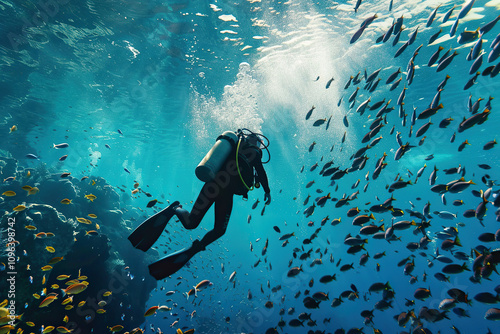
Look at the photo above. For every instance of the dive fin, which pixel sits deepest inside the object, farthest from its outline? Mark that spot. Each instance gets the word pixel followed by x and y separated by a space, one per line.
pixel 170 264
pixel 146 234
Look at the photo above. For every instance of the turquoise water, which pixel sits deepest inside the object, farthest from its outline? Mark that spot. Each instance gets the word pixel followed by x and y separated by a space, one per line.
pixel 172 76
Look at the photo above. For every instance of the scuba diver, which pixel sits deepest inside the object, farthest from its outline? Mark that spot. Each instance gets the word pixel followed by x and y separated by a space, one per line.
pixel 233 166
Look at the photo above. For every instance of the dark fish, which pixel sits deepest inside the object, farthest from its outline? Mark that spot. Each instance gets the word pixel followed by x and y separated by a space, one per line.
pixel 63 158
pixel 445 122
pixel 125 169
pixel 401 50
pixel 445 62
pixel 432 16
pixel 423 129
pixel 429 112
pixel 277 229
pixel 448 14
pixel 466 7
pixel 393 76
pixel 319 122
pixel 462 146
pixel 434 57
pixel 489 145
pixel 422 293
pixel 309 113
pixel 476 65
pixel 454 27
pixel 443 83
pixel 356 6
pixel 120 132
pixel 413 36
pixel 434 37
pixel 487 298
pixel 471 81
pixel 476 50
pixel 329 83
pixel 152 203
pixel 455 268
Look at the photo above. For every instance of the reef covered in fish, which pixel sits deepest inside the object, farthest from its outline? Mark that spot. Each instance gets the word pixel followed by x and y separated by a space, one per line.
pixel 65 250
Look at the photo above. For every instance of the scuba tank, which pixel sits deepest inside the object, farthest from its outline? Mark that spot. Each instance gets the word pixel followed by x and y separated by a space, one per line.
pixel 215 158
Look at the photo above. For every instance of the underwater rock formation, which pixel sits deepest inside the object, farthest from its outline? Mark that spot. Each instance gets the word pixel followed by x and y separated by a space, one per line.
pixel 80 249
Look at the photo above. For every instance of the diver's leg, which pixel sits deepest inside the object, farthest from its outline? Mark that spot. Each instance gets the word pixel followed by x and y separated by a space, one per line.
pixel 206 198
pixel 223 207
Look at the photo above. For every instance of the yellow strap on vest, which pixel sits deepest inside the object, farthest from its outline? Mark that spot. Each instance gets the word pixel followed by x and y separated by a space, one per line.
pixel 238 167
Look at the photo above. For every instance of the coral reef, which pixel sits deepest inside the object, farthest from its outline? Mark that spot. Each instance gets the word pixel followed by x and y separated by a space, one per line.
pixel 94 251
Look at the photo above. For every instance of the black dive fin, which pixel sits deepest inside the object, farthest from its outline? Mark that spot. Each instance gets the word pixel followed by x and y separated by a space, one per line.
pixel 146 234
pixel 170 264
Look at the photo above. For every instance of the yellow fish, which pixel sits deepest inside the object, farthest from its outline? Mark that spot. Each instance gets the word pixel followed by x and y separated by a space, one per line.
pixel 80 304
pixel 66 319
pixel 41 235
pixel 30 227
pixel 92 232
pixel 9 193
pixel 93 182
pixel 116 328
pixel 68 307
pixel 55 259
pixel 82 278
pixel 66 201
pixel 19 208
pixel 33 191
pixel 97 227
pixel 50 249
pixel 107 293
pixel 75 289
pixel 73 281
pixel 152 310
pixel 62 329
pixel 91 215
pixel 28 174
pixel 13 128
pixel 91 197
pixel 36 295
pixel 30 323
pixel 83 220
pixel 55 286
pixel 67 300
pixel 48 329
pixel 46 268
pixel 3 304
pixel 50 234
pixel 47 301
pixel 102 303
pixel 62 277
pixel 101 311
pixel 7 329
pixel 26 188
pixel 43 280
pixel 28 267
pixel 135 191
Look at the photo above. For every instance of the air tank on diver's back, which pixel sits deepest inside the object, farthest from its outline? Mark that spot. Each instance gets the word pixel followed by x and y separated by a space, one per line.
pixel 215 158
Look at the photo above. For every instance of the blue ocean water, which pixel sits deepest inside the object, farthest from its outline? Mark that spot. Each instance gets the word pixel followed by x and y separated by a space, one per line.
pixel 159 81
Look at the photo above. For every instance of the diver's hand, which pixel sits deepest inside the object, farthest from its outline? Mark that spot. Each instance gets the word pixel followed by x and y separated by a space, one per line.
pixel 267 198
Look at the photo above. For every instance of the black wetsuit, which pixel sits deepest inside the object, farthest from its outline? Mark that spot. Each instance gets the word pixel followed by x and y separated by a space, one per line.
pixel 220 191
